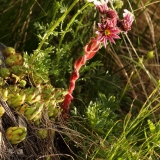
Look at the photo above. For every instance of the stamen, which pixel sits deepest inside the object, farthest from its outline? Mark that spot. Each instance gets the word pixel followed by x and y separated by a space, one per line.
pixel 107 32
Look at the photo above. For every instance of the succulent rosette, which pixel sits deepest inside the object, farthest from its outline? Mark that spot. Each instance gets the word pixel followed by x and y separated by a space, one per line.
pixel 16 134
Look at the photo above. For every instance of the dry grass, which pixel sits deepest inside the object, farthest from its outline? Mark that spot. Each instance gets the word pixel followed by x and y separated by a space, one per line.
pixel 143 37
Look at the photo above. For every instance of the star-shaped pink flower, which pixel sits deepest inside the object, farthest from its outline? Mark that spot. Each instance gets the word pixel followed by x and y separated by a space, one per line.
pixel 107 32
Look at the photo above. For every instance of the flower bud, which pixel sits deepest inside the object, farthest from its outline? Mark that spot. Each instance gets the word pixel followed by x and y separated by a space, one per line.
pixel 150 54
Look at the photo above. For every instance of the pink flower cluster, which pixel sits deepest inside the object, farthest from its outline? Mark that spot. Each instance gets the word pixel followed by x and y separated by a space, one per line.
pixel 108 29
pixel 111 26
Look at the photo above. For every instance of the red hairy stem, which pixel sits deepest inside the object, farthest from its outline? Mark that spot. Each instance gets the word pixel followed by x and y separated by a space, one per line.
pixel 90 50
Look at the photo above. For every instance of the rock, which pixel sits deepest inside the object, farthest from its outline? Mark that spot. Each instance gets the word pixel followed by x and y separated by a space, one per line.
pixel 2 47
